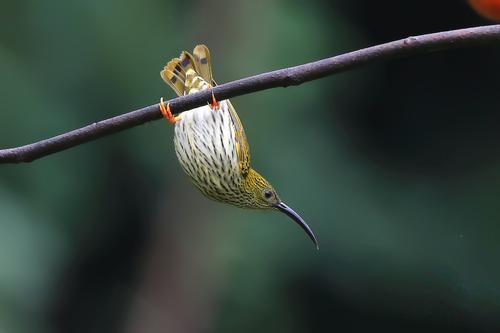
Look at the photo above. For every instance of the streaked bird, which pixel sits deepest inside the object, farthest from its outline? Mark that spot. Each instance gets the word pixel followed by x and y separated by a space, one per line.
pixel 211 145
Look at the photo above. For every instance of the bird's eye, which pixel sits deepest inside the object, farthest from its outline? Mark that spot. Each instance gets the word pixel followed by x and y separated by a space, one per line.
pixel 267 193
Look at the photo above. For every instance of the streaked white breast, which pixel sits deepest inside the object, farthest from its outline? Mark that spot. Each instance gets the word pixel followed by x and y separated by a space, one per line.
pixel 205 146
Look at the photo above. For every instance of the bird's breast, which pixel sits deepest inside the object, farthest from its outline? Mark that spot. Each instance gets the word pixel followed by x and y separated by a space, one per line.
pixel 205 146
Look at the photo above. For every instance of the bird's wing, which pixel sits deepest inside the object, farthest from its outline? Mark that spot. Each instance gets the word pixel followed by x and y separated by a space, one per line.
pixel 242 148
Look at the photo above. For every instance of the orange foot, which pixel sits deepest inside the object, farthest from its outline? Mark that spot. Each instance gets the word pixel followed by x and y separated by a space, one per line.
pixel 165 111
pixel 215 105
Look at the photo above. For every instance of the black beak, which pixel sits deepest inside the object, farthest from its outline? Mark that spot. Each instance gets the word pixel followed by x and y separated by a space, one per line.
pixel 296 217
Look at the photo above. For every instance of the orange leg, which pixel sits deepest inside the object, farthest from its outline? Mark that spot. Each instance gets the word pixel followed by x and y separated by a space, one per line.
pixel 165 110
pixel 215 105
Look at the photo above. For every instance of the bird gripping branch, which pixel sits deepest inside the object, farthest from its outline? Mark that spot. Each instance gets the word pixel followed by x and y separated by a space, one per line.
pixel 211 145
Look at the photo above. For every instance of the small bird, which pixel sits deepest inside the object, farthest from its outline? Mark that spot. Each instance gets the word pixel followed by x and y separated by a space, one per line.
pixel 211 145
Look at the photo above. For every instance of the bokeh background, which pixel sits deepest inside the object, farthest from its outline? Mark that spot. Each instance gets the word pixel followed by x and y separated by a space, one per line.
pixel 396 166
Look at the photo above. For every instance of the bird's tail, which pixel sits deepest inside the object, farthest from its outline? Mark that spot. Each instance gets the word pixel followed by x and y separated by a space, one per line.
pixel 189 72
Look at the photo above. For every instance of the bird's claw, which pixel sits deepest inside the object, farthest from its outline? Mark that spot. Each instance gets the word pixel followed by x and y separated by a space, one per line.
pixel 167 113
pixel 215 105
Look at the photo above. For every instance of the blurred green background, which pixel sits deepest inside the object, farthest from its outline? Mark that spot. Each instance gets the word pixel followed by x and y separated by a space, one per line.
pixel 395 166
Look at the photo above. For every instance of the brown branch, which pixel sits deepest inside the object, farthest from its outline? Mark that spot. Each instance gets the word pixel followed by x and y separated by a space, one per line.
pixel 279 78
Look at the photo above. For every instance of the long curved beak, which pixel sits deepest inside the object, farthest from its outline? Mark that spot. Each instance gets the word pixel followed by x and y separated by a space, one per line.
pixel 297 219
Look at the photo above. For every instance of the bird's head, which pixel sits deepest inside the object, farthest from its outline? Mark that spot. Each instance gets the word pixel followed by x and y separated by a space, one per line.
pixel 264 196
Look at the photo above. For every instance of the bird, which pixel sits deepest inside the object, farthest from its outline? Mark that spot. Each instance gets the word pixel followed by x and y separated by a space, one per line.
pixel 211 145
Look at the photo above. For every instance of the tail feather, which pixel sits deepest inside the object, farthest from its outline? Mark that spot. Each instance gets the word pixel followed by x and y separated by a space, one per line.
pixel 202 62
pixel 173 77
pixel 187 73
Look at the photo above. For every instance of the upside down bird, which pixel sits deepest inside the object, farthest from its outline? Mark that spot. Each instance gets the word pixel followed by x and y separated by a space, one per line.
pixel 211 145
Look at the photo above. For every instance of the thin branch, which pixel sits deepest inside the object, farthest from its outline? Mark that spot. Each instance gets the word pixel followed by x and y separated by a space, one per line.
pixel 291 76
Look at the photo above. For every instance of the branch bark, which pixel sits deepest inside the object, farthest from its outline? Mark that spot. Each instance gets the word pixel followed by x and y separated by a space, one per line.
pixel 291 76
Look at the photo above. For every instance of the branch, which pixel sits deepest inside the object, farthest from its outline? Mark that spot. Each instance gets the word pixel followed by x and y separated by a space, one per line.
pixel 291 76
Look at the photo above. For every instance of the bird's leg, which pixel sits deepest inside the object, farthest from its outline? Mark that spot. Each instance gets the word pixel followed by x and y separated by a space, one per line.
pixel 215 105
pixel 165 111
